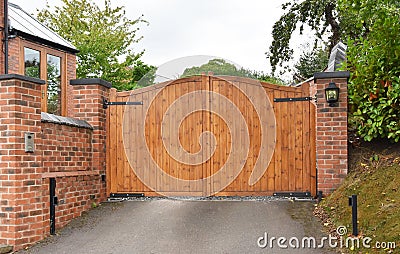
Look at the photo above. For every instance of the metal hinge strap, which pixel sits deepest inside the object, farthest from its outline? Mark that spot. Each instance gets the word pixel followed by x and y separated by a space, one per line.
pixel 292 99
pixel 115 103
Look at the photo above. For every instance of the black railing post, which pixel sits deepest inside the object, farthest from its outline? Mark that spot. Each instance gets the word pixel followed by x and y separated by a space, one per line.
pixel 52 190
pixel 354 218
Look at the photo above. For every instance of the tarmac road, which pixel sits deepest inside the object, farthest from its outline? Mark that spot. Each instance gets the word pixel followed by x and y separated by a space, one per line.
pixel 181 226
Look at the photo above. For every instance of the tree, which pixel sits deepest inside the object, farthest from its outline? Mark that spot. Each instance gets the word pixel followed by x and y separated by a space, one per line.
pixel 371 29
pixel 373 59
pixel 102 36
pixel 320 15
pixel 309 63
pixel 262 76
pixel 221 67
pixel 216 66
pixel 143 75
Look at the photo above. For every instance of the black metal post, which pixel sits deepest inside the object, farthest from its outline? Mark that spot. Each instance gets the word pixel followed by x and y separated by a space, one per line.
pixel 354 214
pixel 319 196
pixel 52 206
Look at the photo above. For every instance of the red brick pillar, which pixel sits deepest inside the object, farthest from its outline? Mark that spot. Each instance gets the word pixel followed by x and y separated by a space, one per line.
pixel 21 201
pixel 2 36
pixel 331 132
pixel 88 105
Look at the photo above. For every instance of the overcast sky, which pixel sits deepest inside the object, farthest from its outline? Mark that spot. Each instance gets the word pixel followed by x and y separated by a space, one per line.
pixel 236 30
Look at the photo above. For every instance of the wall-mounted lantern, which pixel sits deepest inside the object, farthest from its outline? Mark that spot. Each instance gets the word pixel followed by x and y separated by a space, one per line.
pixel 332 94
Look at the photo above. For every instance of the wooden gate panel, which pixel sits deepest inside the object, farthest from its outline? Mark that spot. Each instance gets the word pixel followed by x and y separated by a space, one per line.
pixel 292 167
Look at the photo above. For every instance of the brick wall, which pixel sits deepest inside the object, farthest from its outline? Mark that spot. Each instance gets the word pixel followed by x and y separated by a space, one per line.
pixel 331 131
pixel 67 156
pixel 71 74
pixel 88 105
pixel 14 55
pixel 65 148
pixel 76 193
pixel 21 210
pixel 1 36
pixel 14 49
pixel 69 150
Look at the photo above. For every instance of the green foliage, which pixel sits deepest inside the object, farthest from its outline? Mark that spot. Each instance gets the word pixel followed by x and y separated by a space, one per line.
pixel 221 67
pixel 32 69
pixel 371 28
pixel 103 37
pixel 217 67
pixel 143 75
pixel 310 63
pixel 265 77
pixel 54 87
pixel 378 204
pixel 320 15
pixel 374 87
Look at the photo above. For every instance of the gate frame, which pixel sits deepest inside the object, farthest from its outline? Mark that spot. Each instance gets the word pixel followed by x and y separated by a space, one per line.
pixel 306 90
pixel 330 132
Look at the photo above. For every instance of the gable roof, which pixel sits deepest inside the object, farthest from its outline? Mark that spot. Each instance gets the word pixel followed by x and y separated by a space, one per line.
pixel 24 25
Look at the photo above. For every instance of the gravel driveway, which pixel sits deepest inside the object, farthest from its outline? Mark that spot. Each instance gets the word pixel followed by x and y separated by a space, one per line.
pixel 182 226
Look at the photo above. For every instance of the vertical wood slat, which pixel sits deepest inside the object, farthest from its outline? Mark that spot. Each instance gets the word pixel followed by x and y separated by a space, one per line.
pixel 285 144
pixel 144 163
pixel 312 158
pixel 291 144
pixel 111 158
pixel 271 168
pixel 133 127
pixel 228 135
pixel 248 112
pixel 126 148
pixel 215 129
pixel 207 165
pixel 262 184
pixel 161 183
pixel 163 159
pixel 150 141
pixel 168 163
pixel 299 143
pixel 278 146
pixel 308 143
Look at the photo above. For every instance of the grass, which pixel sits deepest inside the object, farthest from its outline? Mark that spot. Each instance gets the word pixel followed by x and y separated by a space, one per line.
pixel 375 178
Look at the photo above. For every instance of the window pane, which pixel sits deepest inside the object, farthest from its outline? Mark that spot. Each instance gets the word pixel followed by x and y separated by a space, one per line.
pixel 53 85
pixel 32 63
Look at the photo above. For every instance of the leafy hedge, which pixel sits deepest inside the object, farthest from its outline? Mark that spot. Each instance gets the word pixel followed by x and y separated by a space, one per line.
pixel 374 61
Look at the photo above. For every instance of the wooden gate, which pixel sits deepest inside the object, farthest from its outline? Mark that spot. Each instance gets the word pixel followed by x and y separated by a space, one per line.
pixel 207 135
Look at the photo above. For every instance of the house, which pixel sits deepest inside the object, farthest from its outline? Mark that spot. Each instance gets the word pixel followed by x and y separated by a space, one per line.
pixel 52 132
pixel 36 51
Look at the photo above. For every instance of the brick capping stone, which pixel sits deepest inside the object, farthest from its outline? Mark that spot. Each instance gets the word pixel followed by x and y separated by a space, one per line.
pixel 69 121
pixel 69 174
pixel 91 81
pixel 22 78
pixel 336 74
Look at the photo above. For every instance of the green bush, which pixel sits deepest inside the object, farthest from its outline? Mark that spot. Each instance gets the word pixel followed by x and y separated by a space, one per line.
pixel 374 61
